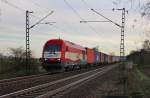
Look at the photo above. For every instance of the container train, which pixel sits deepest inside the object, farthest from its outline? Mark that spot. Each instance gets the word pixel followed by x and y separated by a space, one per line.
pixel 65 55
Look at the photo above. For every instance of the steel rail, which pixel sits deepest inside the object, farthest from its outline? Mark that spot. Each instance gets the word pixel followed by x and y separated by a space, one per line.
pixel 14 84
pixel 50 93
pixel 25 91
pixel 44 85
pixel 19 78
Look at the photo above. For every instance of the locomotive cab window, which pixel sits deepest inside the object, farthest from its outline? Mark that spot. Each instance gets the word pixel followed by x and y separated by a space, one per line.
pixel 53 48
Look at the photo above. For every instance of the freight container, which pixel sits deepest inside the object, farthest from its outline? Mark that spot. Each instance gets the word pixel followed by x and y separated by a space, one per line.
pixel 117 58
pixel 97 57
pixel 110 59
pixel 101 58
pixel 90 56
pixel 106 59
pixel 113 59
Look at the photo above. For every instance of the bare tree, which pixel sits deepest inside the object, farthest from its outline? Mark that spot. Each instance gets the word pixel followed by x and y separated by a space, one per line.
pixel 1 55
pixel 17 52
pixel 145 13
pixel 17 56
pixel 145 10
pixel 146 45
pixel 1 58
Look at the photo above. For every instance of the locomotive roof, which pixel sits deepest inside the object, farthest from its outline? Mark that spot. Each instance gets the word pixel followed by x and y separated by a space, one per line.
pixel 70 44
pixel 74 45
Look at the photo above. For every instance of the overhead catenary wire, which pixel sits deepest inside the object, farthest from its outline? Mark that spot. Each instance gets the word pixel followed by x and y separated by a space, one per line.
pixel 66 2
pixel 82 19
pixel 17 7
pixel 23 10
pixel 56 27
pixel 41 20
pixel 86 4
pixel 37 17
pixel 78 15
pixel 106 18
pixel 40 7
pixel 12 5
pixel 90 7
pixel 47 9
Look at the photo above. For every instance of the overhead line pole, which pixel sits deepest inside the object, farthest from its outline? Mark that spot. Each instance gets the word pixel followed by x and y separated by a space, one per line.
pixel 122 45
pixel 27 43
pixel 122 50
pixel 28 27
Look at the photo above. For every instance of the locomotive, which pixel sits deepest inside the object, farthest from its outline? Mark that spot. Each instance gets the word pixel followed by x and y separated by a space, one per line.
pixel 65 55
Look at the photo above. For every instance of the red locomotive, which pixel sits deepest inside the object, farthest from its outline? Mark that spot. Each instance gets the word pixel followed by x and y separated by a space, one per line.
pixel 61 54
pixel 58 53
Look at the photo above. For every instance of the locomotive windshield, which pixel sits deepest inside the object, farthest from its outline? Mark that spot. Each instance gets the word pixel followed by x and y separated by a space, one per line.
pixel 52 51
pixel 53 48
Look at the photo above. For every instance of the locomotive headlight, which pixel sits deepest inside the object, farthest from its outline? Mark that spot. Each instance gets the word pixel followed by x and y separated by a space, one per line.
pixel 58 59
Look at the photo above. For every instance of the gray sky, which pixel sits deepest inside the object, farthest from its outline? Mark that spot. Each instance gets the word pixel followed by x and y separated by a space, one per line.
pixel 68 26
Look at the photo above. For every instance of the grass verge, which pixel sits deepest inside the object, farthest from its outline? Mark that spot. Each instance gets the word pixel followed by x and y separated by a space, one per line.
pixel 138 84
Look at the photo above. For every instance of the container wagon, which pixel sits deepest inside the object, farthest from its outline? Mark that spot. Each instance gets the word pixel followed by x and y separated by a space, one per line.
pixel 90 56
pixel 97 57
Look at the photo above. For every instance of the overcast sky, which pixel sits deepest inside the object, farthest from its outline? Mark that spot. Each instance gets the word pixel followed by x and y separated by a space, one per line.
pixel 67 16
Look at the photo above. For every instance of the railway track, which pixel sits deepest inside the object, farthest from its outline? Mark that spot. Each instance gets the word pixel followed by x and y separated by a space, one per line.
pixel 19 78
pixel 52 88
pixel 19 83
pixel 13 84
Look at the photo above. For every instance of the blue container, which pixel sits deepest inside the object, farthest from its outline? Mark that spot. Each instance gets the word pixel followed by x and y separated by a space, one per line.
pixel 97 57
